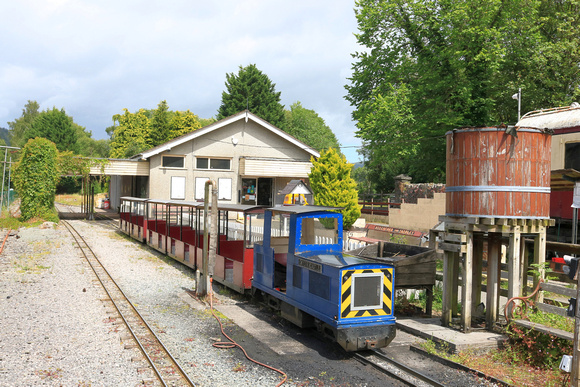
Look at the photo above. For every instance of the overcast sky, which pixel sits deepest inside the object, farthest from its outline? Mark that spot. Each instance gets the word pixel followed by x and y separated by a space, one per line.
pixel 94 58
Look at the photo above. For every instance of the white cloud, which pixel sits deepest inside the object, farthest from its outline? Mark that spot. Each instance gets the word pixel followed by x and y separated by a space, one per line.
pixel 96 58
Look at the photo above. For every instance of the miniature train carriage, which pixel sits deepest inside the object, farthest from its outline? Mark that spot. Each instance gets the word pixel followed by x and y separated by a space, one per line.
pixel 156 223
pixel 301 270
pixel 176 228
pixel 183 235
pixel 239 226
pixel 131 217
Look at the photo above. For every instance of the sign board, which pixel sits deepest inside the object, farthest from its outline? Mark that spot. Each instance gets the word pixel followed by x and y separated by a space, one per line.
pixel 310 265
pixel 576 198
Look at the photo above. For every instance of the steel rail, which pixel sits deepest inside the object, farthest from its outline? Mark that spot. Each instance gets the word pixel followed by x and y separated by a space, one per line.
pixel 110 222
pixel 80 242
pixel 414 373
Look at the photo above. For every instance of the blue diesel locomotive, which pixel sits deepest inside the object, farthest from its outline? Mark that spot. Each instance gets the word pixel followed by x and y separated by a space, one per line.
pixel 308 278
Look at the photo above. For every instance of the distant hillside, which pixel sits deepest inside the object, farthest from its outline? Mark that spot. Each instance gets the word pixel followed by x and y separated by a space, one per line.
pixel 4 135
pixel 358 165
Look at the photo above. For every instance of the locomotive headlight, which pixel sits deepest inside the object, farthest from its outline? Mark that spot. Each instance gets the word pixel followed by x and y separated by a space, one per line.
pixel 367 291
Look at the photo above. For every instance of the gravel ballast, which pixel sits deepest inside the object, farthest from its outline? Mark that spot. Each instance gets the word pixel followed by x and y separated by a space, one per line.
pixel 56 329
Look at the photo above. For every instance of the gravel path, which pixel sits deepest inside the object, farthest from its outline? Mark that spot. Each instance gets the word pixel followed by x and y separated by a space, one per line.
pixel 55 330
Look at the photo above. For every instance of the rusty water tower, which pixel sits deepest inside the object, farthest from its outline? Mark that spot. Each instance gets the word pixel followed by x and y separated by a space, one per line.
pixel 498 188
pixel 494 174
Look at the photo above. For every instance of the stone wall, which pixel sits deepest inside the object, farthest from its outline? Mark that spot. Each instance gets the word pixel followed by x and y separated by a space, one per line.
pixel 420 216
pixel 413 192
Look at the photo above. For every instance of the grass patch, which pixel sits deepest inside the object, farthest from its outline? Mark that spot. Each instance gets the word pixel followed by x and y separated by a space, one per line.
pixel 12 223
pixel 30 264
pixel 551 320
pixel 507 364
pixel 76 199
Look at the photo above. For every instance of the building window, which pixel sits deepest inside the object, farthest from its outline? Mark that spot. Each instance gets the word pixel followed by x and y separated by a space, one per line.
pixel 200 187
pixel 208 163
pixel 224 189
pixel 178 187
pixel 248 191
pixel 173 161
pixel 572 156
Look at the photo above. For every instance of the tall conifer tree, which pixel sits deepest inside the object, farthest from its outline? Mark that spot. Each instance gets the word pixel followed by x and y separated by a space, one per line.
pixel 251 89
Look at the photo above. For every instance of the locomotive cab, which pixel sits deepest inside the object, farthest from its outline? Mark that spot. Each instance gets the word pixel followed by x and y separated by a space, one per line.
pixel 301 269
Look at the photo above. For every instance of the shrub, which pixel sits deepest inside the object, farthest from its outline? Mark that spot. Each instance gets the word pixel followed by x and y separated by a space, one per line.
pixel 536 348
pixel 333 185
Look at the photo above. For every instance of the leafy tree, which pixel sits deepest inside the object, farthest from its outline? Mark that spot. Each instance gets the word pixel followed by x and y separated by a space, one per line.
pixel 20 126
pixel 307 126
pixel 183 123
pixel 386 128
pixel 442 65
pixel 35 177
pixel 88 146
pixel 206 121
pixel 253 90
pixel 131 134
pixel 55 125
pixel 360 175
pixel 332 185
pixel 5 136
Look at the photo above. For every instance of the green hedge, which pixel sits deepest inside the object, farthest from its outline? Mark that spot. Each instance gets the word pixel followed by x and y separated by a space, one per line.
pixel 35 178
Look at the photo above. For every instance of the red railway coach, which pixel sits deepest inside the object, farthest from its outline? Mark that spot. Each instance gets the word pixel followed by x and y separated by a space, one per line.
pixel 132 217
pixel 156 224
pixel 175 228
pixel 239 227
pixel 183 236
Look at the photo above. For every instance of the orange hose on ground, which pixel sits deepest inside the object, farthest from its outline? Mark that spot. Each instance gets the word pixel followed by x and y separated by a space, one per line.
pixel 233 344
pixel 3 243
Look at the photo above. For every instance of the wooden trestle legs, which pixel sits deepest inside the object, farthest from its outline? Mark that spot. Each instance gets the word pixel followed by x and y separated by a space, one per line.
pixel 463 243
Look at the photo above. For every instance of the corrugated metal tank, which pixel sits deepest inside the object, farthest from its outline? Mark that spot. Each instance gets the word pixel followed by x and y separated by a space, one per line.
pixel 491 173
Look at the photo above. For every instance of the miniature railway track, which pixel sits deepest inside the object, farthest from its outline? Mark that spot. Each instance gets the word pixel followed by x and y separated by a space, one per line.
pixel 107 221
pixel 67 211
pixel 163 364
pixel 396 369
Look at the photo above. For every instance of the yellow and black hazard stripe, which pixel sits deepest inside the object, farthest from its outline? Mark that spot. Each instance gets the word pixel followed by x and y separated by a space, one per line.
pixel 346 299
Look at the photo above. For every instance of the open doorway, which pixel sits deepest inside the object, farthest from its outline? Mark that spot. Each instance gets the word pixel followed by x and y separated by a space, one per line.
pixel 265 192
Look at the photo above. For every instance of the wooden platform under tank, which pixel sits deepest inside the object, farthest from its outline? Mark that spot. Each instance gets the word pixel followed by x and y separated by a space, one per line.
pixel 415 266
pixel 462 241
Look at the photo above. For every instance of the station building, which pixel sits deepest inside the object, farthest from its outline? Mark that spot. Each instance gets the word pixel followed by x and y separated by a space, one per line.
pixel 250 160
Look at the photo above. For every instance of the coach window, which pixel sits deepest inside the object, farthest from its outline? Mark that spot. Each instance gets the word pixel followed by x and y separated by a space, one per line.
pixel 173 161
